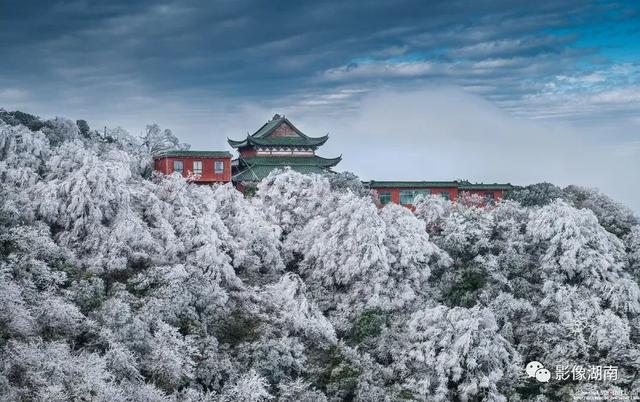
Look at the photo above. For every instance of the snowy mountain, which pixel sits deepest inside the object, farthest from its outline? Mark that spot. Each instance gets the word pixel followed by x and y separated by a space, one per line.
pixel 120 284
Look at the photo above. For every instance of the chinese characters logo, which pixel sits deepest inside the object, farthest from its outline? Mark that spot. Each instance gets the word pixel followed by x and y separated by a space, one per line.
pixel 586 373
pixel 574 373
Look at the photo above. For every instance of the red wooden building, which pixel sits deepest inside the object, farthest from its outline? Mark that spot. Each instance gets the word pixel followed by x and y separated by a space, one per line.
pixel 404 192
pixel 203 167
pixel 279 144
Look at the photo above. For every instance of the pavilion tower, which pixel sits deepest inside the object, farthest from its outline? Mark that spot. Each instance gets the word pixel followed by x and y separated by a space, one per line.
pixel 275 145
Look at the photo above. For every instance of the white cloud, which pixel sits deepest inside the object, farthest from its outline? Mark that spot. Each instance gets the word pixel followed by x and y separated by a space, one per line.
pixel 586 78
pixel 440 133
pixel 383 69
pixel 12 95
pixel 619 95
pixel 497 63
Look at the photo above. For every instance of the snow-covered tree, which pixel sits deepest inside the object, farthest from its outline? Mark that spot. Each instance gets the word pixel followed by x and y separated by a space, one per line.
pixel 538 194
pixel 299 391
pixel 157 141
pixel 433 211
pixel 290 199
pixel 249 388
pixel 453 354
pixel 572 248
pixel 411 256
pixel 254 241
pixel 347 181
pixel 345 261
pixel 117 284
pixel 633 246
pixel 52 371
pixel 612 215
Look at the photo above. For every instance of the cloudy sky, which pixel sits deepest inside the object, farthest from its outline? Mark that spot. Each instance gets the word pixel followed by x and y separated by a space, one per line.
pixel 483 90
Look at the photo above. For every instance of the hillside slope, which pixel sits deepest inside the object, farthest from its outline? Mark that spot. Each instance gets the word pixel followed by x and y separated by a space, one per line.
pixel 118 284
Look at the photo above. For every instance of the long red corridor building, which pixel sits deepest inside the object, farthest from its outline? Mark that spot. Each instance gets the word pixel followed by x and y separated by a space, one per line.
pixel 404 192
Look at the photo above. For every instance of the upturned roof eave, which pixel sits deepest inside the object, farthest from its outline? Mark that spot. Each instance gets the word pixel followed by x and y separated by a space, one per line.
pixel 302 142
pixel 290 161
pixel 288 141
pixel 236 144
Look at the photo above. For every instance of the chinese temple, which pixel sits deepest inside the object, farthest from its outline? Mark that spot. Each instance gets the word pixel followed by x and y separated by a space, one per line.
pixel 275 145
pixel 279 144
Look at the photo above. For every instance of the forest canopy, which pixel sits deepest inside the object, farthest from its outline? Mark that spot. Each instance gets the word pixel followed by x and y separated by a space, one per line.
pixel 119 284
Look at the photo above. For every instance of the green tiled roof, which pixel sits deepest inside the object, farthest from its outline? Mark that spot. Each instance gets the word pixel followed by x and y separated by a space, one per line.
pixel 485 186
pixel 272 124
pixel 258 167
pixel 461 185
pixel 267 127
pixel 262 137
pixel 280 141
pixel 397 184
pixel 290 161
pixel 259 172
pixel 204 154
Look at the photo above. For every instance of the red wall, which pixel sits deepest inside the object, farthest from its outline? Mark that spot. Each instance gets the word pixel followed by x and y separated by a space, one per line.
pixel 248 152
pixel 453 192
pixel 165 165
pixel 395 192
pixel 497 194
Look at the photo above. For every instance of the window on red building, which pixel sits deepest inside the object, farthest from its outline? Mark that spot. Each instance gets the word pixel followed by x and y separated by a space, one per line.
pixel 219 167
pixel 408 196
pixel 488 197
pixel 178 166
pixel 445 195
pixel 197 167
pixel 385 197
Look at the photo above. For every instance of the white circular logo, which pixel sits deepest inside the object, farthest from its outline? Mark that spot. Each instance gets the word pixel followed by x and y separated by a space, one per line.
pixel 543 375
pixel 532 367
pixel 537 370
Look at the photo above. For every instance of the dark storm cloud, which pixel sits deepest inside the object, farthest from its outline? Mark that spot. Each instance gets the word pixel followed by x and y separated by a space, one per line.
pixel 263 49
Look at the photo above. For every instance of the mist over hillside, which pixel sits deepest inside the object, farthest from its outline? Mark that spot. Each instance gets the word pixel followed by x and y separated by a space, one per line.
pixel 118 284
